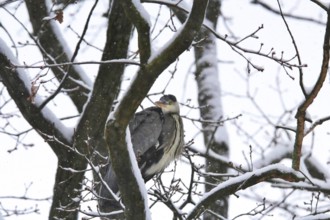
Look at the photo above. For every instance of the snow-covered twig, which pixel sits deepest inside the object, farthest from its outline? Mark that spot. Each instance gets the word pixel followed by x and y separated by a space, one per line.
pixel 242 182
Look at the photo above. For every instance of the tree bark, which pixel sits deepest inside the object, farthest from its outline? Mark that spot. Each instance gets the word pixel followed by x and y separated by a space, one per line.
pixel 50 45
pixel 105 90
pixel 209 96
pixel 89 132
pixel 242 182
pixel 148 73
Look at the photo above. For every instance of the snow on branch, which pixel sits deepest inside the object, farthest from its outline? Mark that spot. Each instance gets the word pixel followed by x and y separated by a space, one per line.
pixel 140 18
pixel 58 40
pixel 116 126
pixel 244 181
pixel 184 37
pixel 147 75
pixel 273 155
pixel 128 181
pixel 235 45
pixel 137 173
pixel 24 94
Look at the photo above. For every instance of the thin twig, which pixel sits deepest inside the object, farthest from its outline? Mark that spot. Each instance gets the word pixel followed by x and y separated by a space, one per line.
pixel 75 53
pixel 301 74
pixel 115 61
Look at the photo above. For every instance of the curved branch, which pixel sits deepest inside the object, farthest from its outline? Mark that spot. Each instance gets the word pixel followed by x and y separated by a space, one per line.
pixel 116 125
pixel 242 182
pixel 233 45
pixel 160 61
pixel 301 112
pixel 139 17
pixel 21 91
pixel 289 15
pixel 54 50
pixel 89 131
pixel 317 2
pixel 75 53
pixel 301 74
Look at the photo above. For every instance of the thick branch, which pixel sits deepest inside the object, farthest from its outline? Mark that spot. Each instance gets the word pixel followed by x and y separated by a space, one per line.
pixel 54 135
pixel 129 187
pixel 138 17
pixel 242 182
pixel 158 63
pixel 301 113
pixel 92 121
pixel 53 47
pixel 19 90
pixel 209 94
pixel 115 128
pixel 107 82
pixel 235 46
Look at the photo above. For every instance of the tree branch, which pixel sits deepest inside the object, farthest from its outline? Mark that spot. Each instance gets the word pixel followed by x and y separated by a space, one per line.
pixel 301 74
pixel 233 45
pixel 47 125
pixel 90 128
pixel 20 91
pixel 209 94
pixel 113 61
pixel 317 2
pixel 75 53
pixel 138 16
pixel 289 15
pixel 116 125
pixel 54 50
pixel 242 182
pixel 301 112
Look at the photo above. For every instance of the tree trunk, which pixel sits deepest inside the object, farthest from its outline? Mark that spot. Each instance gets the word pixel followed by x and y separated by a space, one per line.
pixel 215 137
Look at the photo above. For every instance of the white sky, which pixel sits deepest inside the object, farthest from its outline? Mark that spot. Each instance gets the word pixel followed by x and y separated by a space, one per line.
pixel 34 167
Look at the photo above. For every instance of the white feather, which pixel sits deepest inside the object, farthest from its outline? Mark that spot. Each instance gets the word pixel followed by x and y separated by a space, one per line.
pixel 171 153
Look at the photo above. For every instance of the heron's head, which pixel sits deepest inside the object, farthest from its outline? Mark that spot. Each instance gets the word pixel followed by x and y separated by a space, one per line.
pixel 168 104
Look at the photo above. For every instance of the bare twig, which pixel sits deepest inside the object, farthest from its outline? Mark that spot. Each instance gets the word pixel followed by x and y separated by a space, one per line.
pixel 289 15
pixel 75 53
pixel 301 74
pixel 317 123
pixel 114 61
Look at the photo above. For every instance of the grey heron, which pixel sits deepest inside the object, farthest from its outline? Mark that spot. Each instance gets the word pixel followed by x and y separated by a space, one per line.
pixel 157 139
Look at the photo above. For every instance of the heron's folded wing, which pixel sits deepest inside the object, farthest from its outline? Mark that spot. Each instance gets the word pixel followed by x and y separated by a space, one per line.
pixel 145 128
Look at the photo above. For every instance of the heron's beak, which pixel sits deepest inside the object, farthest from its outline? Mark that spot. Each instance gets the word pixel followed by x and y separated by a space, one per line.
pixel 160 104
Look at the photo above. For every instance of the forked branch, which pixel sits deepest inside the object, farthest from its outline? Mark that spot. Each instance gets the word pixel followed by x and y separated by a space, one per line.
pixel 301 112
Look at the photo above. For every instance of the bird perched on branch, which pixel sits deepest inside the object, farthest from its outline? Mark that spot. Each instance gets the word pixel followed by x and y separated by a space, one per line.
pixel 157 139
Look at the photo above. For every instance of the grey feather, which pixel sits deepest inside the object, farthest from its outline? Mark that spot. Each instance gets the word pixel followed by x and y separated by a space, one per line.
pixel 157 139
pixel 145 128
